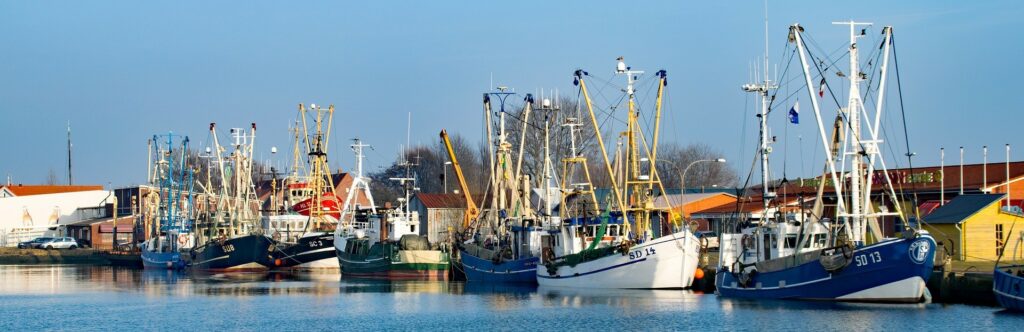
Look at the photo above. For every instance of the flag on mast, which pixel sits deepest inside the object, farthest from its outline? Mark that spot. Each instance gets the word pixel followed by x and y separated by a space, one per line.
pixel 794 113
pixel 821 88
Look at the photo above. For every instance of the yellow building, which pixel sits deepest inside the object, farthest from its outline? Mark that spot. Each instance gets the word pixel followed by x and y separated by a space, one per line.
pixel 975 227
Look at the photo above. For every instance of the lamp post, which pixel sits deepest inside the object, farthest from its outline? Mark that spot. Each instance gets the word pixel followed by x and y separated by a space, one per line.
pixel 682 177
pixel 446 175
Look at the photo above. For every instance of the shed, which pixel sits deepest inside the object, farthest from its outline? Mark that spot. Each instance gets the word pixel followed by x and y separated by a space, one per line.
pixel 439 213
pixel 975 227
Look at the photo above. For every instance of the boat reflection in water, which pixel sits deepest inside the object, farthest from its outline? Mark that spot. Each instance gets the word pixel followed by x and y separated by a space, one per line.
pixel 578 297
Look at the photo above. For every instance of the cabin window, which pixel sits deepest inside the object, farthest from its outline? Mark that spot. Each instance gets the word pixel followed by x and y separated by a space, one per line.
pixel 412 228
pixel 790 241
pixel 819 240
pixel 999 239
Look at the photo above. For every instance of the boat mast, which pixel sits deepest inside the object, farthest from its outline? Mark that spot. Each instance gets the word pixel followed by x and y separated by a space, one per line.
pixel 320 180
pixel 795 36
pixel 634 183
pixel 359 183
pixel 855 148
pixel 765 149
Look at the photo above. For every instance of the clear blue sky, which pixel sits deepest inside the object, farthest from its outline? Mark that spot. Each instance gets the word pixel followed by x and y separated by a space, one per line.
pixel 121 71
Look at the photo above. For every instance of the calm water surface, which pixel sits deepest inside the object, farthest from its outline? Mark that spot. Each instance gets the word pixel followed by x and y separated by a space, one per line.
pixel 67 297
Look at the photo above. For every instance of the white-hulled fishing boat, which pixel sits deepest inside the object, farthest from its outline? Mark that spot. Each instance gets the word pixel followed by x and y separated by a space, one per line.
pixel 623 248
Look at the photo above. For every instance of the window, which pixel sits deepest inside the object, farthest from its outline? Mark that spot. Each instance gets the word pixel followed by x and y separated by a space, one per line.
pixel 999 239
pixel 790 241
pixel 820 240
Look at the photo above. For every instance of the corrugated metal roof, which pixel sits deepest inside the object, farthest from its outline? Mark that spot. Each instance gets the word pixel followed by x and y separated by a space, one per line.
pixel 444 201
pixel 961 208
pixel 27 190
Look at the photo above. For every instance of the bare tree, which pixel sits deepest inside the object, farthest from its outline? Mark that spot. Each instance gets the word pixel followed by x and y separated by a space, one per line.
pixel 51 178
pixel 427 164
pixel 673 160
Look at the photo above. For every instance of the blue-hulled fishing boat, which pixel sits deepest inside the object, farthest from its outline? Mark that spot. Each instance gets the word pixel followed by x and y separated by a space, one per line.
pixel 503 245
pixel 1008 286
pixel 839 254
pixel 1008 280
pixel 170 176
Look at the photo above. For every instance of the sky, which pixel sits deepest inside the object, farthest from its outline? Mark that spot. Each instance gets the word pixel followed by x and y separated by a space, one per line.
pixel 121 71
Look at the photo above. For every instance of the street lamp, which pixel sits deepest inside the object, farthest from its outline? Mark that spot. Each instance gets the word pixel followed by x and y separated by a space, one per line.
pixel 682 177
pixel 446 175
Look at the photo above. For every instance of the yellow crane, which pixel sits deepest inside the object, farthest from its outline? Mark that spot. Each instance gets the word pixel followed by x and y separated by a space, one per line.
pixel 471 210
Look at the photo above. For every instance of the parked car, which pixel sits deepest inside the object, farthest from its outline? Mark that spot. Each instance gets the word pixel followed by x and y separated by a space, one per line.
pixel 34 243
pixel 708 239
pixel 60 243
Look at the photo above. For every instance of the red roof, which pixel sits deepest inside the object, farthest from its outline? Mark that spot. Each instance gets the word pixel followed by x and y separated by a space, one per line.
pixel 976 177
pixel 27 190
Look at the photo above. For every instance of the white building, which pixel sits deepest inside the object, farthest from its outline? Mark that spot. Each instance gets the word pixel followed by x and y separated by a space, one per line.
pixel 30 211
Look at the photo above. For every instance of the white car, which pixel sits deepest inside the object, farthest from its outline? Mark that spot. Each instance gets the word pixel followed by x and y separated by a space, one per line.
pixel 59 243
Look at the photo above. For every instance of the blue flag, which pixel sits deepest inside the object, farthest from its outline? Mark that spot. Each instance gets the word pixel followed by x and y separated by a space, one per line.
pixel 794 113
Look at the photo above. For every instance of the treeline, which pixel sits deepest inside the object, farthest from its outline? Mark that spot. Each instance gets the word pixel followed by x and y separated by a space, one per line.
pixel 428 162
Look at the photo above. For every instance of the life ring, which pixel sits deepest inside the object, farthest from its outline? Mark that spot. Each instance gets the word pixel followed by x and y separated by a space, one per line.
pixel 182 239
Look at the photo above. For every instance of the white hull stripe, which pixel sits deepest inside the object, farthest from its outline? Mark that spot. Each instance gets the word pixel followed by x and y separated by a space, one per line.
pixel 1018 298
pixel 212 259
pixel 786 286
pixel 309 252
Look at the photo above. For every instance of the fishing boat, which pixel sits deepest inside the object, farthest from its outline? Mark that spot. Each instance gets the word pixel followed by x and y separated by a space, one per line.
pixel 1008 280
pixel 620 247
pixel 387 245
pixel 841 254
pixel 503 246
pixel 170 205
pixel 229 230
pixel 305 234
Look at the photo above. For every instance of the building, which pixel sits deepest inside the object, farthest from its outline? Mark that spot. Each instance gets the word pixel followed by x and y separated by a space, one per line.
pixel 688 203
pixel 99 233
pixel 439 213
pixel 975 227
pixel 30 211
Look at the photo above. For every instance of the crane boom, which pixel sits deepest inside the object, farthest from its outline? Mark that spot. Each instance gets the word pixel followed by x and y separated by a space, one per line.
pixel 471 210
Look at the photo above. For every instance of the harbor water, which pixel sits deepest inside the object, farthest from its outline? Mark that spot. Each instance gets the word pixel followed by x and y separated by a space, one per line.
pixel 66 297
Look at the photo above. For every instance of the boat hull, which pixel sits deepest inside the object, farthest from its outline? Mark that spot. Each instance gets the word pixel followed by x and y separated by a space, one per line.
pixel 312 252
pixel 523 271
pixel 1008 288
pixel 383 267
pixel 162 260
pixel 244 253
pixel 893 271
pixel 665 262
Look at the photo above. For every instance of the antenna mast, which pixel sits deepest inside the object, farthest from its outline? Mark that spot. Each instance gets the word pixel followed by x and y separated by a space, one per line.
pixel 70 182
pixel 765 148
